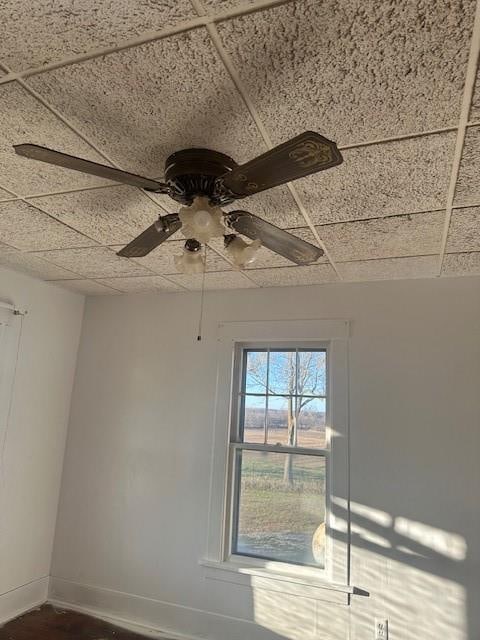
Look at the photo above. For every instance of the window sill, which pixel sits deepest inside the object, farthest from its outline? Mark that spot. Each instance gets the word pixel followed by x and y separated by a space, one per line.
pixel 268 579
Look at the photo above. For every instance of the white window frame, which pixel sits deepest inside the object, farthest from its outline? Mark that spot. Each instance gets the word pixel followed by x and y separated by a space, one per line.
pixel 219 563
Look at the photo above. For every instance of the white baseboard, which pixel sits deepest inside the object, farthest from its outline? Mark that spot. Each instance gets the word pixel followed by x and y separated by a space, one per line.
pixel 152 617
pixel 19 600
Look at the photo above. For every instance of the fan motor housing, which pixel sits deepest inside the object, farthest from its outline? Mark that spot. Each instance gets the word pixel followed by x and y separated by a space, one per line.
pixel 195 172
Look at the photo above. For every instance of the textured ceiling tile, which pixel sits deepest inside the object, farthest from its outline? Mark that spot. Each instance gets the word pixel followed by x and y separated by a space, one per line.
pixel 219 280
pixel 223 5
pixel 275 205
pixel 461 264
pixel 24 119
pixel 140 284
pixel 97 262
pixel 474 115
pixel 382 179
pixel 354 70
pixel 168 204
pixel 87 287
pixel 410 235
pixel 389 269
pixel 110 215
pixel 34 33
pixel 24 227
pixel 5 195
pixel 288 276
pixel 464 230
pixel 467 190
pixel 27 263
pixel 162 259
pixel 142 104
pixel 266 258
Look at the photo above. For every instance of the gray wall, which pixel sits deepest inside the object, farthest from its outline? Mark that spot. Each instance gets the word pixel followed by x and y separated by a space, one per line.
pixel 132 518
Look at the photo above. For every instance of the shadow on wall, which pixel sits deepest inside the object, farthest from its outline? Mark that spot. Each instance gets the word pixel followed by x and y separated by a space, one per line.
pixel 416 575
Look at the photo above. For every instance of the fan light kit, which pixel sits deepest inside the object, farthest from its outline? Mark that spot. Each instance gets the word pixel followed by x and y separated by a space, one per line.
pixel 201 221
pixel 241 253
pixel 191 259
pixel 204 181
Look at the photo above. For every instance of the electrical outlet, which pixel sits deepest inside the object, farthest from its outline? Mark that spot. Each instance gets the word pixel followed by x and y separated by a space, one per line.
pixel 381 629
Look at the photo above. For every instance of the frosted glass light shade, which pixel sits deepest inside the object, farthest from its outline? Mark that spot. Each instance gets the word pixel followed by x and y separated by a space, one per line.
pixel 241 253
pixel 201 221
pixel 190 262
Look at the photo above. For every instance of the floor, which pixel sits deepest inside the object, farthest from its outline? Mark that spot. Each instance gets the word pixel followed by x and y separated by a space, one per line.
pixel 57 624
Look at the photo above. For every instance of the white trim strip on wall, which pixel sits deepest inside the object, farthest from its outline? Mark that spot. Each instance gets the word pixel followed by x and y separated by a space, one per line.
pixel 19 600
pixel 155 618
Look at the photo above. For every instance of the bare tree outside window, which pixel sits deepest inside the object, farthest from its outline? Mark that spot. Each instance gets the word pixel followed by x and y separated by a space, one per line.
pixel 299 376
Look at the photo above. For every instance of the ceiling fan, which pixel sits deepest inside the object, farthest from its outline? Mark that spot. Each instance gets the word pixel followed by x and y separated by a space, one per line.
pixel 203 181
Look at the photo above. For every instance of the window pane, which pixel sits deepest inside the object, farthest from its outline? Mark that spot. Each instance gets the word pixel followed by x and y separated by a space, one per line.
pixel 252 420
pixel 277 420
pixel 299 422
pixel 282 372
pixel 312 373
pixel 256 372
pixel 280 501
pixel 311 423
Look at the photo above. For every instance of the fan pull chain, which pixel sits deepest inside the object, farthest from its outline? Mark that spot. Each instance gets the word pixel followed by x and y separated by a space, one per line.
pixel 202 295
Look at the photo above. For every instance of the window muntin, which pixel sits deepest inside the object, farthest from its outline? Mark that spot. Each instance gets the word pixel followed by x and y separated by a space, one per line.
pixel 279 457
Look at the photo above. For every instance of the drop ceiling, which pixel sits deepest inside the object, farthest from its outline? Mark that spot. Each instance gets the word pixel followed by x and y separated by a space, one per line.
pixel 128 82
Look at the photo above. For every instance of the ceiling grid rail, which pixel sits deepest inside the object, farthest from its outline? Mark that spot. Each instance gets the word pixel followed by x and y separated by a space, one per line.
pixel 151 36
pixel 470 78
pixel 203 20
pixel 82 136
pixel 235 77
pixel 209 21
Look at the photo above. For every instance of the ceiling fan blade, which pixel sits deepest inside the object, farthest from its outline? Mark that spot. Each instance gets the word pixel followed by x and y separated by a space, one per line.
pixel 274 238
pixel 305 154
pixel 151 237
pixel 35 152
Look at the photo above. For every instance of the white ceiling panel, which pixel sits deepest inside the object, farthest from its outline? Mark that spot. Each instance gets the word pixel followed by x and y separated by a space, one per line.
pixel 462 264
pixel 464 230
pixel 354 71
pixel 35 33
pixel 5 195
pixel 140 284
pixel 24 119
pixel 128 83
pixel 467 189
pixel 87 287
pixel 389 269
pixel 34 266
pixel 111 215
pixel 218 280
pixel 289 276
pixel 398 177
pixel 275 205
pixel 144 103
pixel 410 235
pixel 27 228
pixel 96 262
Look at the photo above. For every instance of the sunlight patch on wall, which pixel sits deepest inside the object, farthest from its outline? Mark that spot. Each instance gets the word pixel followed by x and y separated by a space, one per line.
pixel 450 545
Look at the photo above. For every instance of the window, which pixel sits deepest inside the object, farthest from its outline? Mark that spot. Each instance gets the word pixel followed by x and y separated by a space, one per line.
pixel 279 493
pixel 278 455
